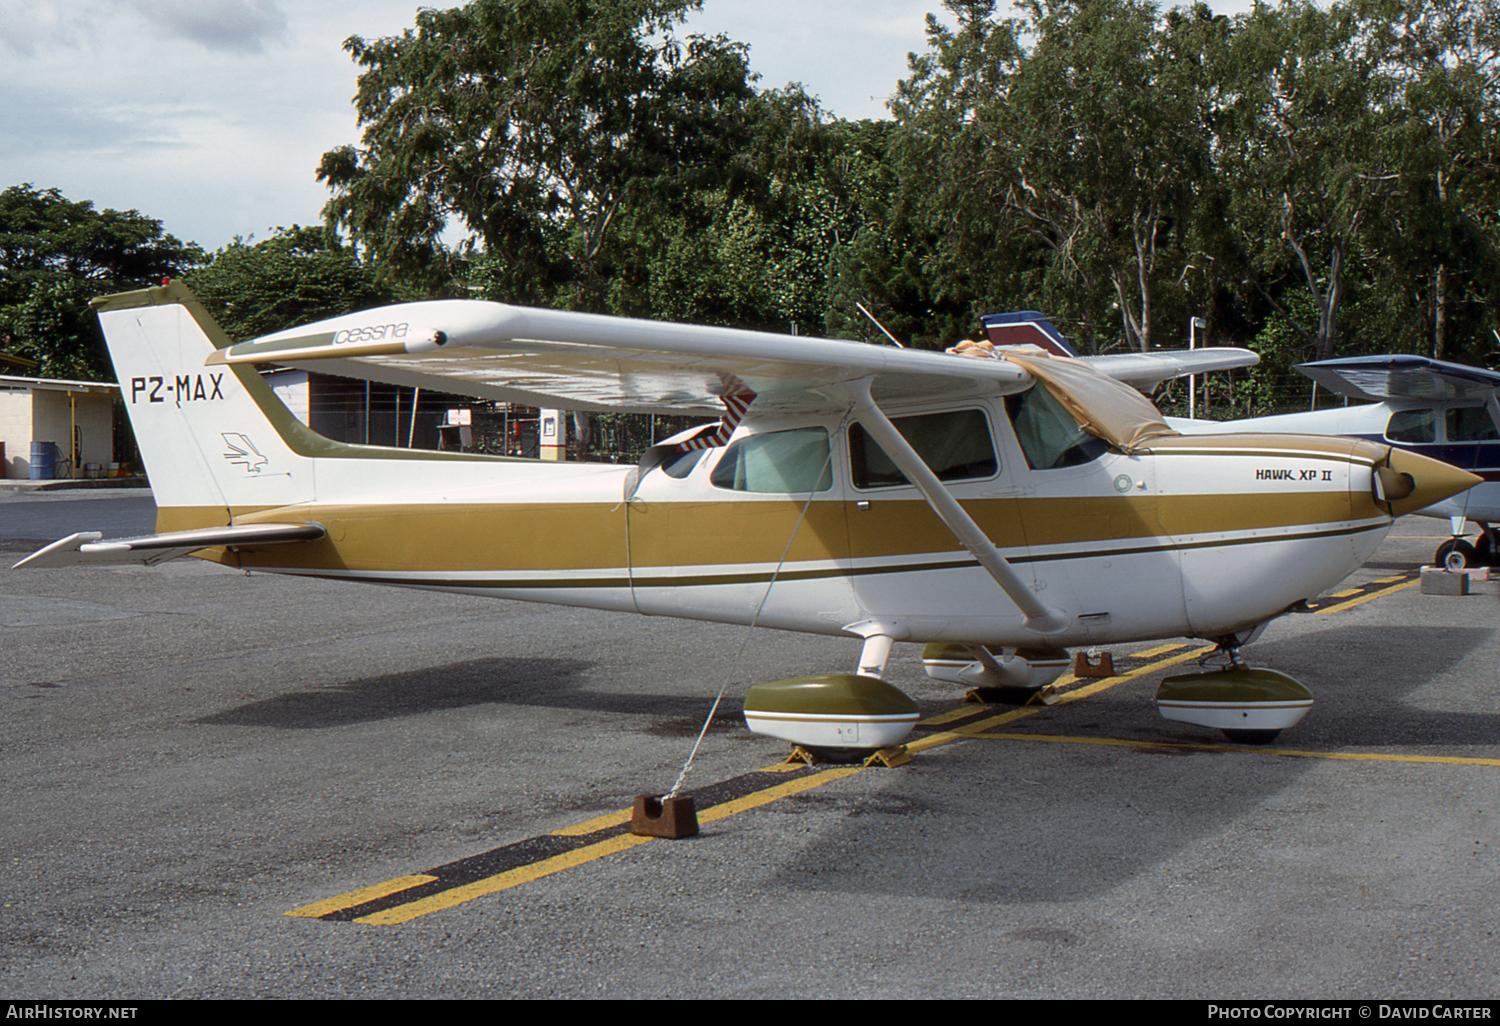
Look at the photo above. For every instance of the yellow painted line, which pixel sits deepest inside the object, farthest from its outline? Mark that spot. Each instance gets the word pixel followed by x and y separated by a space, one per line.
pixel 621 842
pixel 502 881
pixel 787 765
pixel 770 794
pixel 971 729
pixel 962 712
pixel 380 890
pixel 604 822
pixel 1061 697
pixel 1173 646
pixel 1367 598
pixel 1289 753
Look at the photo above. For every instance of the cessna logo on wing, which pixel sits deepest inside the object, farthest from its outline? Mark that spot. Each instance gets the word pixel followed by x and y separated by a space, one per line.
pixel 373 333
pixel 184 388
pixel 242 452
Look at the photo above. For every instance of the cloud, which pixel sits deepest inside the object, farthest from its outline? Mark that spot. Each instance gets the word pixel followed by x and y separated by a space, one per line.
pixel 29 27
pixel 236 26
pixel 40 123
pixel 26 25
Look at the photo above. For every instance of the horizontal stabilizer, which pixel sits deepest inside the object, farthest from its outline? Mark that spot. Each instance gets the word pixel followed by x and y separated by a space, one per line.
pixel 1026 328
pixel 1029 328
pixel 88 548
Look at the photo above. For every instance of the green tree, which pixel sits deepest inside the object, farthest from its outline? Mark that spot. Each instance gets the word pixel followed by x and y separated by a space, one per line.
pixel 759 257
pixel 297 276
pixel 950 243
pixel 1070 152
pixel 1108 145
pixel 1437 248
pixel 531 126
pixel 1302 148
pixel 55 255
pixel 53 327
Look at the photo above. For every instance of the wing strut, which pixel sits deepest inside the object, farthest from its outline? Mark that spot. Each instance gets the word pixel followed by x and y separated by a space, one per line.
pixel 1041 618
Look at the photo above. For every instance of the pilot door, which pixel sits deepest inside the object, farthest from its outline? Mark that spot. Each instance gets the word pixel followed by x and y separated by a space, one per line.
pixel 1091 519
pixel 908 566
pixel 749 532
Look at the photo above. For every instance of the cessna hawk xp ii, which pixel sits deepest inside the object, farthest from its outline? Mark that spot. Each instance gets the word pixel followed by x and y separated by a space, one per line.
pixel 1005 507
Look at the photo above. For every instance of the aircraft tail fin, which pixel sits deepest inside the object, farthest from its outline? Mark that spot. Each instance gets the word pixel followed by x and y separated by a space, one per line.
pixel 213 439
pixel 1026 328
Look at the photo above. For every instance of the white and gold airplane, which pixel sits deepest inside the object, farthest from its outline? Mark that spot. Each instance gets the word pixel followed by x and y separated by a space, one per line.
pixel 1003 507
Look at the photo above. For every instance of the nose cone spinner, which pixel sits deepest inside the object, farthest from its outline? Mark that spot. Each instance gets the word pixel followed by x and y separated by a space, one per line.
pixel 1405 482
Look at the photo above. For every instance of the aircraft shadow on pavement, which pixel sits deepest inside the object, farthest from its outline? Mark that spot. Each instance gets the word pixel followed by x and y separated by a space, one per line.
pixel 547 683
pixel 412 693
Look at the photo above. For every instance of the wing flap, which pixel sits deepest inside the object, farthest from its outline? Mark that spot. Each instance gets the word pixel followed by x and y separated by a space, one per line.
pixel 90 548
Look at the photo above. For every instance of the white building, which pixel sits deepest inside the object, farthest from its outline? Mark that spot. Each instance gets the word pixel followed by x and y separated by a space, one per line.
pixel 76 416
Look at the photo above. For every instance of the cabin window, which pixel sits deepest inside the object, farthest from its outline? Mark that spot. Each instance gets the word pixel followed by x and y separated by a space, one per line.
pixel 956 446
pixel 778 461
pixel 1471 424
pixel 1047 432
pixel 1412 426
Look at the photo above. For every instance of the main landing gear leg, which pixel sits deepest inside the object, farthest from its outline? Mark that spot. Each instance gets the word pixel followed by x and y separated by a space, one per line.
pixel 1229 649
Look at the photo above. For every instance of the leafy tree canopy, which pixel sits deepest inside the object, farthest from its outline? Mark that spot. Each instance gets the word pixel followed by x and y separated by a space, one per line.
pixel 297 276
pixel 55 255
pixel 532 125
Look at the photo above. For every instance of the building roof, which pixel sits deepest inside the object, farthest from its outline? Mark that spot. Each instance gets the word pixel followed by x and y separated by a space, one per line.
pixel 58 385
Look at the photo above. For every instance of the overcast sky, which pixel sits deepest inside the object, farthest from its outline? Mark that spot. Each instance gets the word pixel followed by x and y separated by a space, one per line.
pixel 211 115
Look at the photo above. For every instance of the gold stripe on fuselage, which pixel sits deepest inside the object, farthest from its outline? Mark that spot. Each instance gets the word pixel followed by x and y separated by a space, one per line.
pixel 669 541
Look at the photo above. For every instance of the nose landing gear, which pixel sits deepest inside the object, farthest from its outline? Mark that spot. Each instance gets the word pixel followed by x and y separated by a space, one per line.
pixel 1457 553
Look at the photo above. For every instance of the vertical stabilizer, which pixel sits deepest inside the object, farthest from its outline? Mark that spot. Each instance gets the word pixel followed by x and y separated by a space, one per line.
pixel 215 440
pixel 1026 328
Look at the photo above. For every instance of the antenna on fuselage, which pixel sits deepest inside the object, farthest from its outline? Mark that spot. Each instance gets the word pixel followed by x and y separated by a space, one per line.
pixel 877 324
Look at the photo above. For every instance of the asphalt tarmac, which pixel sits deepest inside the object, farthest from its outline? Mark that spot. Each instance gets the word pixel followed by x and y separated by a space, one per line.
pixel 221 786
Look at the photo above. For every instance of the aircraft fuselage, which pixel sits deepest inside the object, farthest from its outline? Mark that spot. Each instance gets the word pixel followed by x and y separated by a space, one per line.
pixel 1217 534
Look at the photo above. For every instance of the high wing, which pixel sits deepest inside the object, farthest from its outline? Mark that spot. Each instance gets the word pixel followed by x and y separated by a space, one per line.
pixel 1031 329
pixel 593 362
pixel 1377 378
pixel 1147 370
